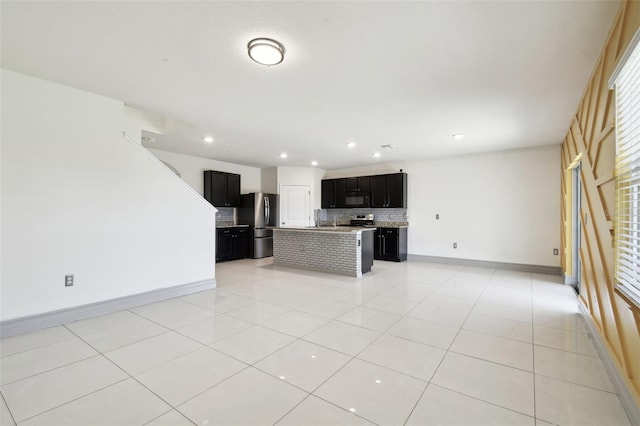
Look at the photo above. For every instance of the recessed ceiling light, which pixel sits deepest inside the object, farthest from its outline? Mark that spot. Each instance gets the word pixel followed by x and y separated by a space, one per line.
pixel 351 144
pixel 458 136
pixel 266 51
pixel 376 154
pixel 283 155
pixel 314 163
pixel 208 139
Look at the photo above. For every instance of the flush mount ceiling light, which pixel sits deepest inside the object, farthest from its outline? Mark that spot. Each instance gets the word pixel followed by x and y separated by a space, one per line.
pixel 458 136
pixel 376 154
pixel 351 144
pixel 208 139
pixel 265 51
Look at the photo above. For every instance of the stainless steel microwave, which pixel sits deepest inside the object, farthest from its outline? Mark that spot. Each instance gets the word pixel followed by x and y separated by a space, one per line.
pixel 357 199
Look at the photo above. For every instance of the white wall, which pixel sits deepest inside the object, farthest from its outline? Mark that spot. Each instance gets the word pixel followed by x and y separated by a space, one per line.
pixel 270 180
pixel 191 169
pixel 79 198
pixel 374 169
pixel 136 120
pixel 303 176
pixel 501 206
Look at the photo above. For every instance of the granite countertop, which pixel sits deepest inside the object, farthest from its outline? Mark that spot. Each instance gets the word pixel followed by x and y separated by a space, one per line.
pixel 392 224
pixel 343 229
pixel 231 226
pixel 379 224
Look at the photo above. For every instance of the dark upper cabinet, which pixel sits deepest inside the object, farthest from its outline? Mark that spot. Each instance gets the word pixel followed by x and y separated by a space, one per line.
pixel 389 191
pixel 386 191
pixel 341 193
pixel 357 184
pixel 222 189
pixel 328 194
pixel 233 190
pixel 333 193
pixel 378 191
pixel 397 190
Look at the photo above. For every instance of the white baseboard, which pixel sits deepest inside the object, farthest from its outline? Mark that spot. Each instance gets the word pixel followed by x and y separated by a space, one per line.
pixel 521 267
pixel 626 397
pixel 49 319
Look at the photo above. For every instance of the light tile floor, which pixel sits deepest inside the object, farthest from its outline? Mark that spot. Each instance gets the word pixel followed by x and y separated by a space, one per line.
pixel 409 343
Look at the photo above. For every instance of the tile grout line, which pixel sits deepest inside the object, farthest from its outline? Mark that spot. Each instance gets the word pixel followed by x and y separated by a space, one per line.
pixel 133 377
pixel 73 336
pixel 167 412
pixel 448 349
pixel 301 338
pixel 4 401
pixel 349 361
pixel 53 369
pixel 533 352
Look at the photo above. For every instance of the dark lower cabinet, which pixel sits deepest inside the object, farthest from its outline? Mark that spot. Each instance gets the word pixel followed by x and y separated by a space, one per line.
pixel 390 244
pixel 367 248
pixel 231 244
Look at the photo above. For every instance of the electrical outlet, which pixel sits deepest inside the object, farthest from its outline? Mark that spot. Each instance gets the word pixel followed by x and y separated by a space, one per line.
pixel 555 252
pixel 437 216
pixel 68 280
pixel 455 245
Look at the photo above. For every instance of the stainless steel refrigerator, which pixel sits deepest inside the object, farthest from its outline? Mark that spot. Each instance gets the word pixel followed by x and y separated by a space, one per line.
pixel 260 212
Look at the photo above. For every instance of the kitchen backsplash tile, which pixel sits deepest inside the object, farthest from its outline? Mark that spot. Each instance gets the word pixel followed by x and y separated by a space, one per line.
pixel 226 216
pixel 382 217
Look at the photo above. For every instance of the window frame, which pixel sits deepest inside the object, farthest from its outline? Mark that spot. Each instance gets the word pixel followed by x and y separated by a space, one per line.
pixel 628 198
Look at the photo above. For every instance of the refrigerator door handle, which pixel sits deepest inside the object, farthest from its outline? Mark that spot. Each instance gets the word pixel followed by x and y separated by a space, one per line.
pixel 266 211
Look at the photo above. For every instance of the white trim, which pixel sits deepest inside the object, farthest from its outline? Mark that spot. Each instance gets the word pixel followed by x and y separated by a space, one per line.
pixel 521 267
pixel 624 58
pixel 63 316
pixel 626 397
pixel 630 295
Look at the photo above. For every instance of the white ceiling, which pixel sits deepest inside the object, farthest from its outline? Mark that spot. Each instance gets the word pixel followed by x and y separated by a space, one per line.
pixel 508 74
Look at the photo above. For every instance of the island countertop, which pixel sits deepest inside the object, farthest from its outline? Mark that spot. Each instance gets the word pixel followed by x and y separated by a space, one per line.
pixel 341 229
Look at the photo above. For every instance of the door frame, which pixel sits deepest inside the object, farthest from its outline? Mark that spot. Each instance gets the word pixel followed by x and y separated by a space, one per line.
pixel 573 224
pixel 282 190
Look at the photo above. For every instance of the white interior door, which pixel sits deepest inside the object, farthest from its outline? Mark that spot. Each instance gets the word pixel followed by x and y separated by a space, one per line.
pixel 295 205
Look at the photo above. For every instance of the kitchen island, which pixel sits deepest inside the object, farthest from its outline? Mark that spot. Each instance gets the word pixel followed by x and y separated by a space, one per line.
pixel 343 250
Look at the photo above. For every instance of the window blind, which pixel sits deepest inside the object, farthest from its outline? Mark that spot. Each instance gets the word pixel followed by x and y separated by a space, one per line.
pixel 627 172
